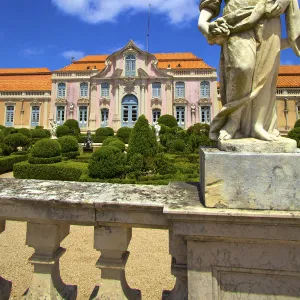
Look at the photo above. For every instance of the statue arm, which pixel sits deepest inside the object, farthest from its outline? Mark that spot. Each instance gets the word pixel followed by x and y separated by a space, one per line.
pixel 203 22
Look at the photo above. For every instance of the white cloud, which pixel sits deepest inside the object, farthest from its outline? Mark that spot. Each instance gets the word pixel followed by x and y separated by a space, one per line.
pixel 32 51
pixel 96 11
pixel 73 53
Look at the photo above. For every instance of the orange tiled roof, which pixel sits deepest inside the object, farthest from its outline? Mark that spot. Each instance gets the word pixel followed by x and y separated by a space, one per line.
pixel 83 67
pixel 25 83
pixel 94 58
pixel 289 76
pixel 24 71
pixel 184 64
pixel 173 56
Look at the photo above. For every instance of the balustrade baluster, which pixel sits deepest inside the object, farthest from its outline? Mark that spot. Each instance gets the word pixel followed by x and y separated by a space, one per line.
pixel 5 285
pixel 46 282
pixel 178 250
pixel 113 243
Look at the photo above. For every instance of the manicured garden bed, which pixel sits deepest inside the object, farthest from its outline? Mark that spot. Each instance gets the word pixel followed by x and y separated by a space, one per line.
pixel 7 162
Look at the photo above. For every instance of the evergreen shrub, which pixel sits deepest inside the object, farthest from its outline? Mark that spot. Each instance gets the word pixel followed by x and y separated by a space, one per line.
pixel 118 144
pixel 142 140
pixel 295 135
pixel 69 146
pixel 124 133
pixel 25 131
pixel 65 171
pixel 199 129
pixel 9 130
pixel 107 162
pixel 16 140
pixel 45 149
pixel 62 130
pixel 177 145
pixel 109 140
pixel 6 163
pixel 163 129
pixel 167 120
pixel 1 136
pixel 163 165
pixel 297 124
pixel 105 131
pixel 73 126
pixel 39 133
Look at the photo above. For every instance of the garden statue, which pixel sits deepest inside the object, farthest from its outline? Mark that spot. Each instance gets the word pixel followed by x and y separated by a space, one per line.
pixel 53 129
pixel 250 35
pixel 157 128
pixel 88 142
pixel 71 109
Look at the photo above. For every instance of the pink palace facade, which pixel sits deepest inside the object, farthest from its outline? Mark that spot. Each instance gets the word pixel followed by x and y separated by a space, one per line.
pixel 114 90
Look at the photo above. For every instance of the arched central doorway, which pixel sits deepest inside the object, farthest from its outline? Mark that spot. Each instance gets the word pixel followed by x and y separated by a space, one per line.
pixel 129 110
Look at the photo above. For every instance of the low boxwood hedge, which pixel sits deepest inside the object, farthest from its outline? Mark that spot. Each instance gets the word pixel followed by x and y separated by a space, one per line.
pixel 65 171
pixel 44 160
pixel 6 163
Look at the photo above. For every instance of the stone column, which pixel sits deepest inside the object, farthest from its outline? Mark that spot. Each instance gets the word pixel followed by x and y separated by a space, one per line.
pixel 117 114
pixel 5 285
pixel 113 243
pixel 178 250
pixel 94 108
pixel 45 123
pixel 169 98
pixel 46 282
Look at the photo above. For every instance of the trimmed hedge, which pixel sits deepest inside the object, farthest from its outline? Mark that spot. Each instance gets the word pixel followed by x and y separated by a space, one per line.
pixel 25 131
pixel 62 130
pixel 295 135
pixel 167 120
pixel 177 146
pixel 40 133
pixel 16 140
pixel 105 131
pixel 119 144
pixel 297 124
pixel 124 133
pixel 7 163
pixel 46 148
pixel 44 160
pixel 199 129
pixel 69 146
pixel 73 126
pixel 107 162
pixel 65 171
pixel 109 140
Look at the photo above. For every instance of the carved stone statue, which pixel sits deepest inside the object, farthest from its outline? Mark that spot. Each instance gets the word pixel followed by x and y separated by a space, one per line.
pixel 88 142
pixel 157 128
pixel 53 129
pixel 250 35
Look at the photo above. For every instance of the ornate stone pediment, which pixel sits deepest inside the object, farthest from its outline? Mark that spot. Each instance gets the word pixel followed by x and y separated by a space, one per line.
pixel 94 87
pixel 104 101
pixel 10 102
pixel 129 84
pixel 180 101
pixel 168 86
pixel 61 101
pixel 35 102
pixel 156 103
pixel 83 101
pixel 130 50
pixel 204 100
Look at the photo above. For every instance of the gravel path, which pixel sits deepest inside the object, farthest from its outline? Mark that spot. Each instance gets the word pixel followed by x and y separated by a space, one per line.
pixel 148 267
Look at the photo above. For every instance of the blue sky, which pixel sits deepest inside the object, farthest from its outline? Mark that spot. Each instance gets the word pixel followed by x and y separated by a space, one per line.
pixel 46 33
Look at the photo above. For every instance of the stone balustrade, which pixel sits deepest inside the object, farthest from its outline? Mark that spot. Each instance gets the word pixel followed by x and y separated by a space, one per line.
pixel 216 253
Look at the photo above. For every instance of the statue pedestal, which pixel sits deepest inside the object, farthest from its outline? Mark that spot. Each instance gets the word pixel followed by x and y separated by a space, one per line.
pixel 248 180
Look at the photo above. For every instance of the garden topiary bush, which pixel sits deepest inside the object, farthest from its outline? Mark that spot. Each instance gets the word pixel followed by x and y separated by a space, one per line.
pixel 45 151
pixel 124 133
pixel 143 141
pixel 69 146
pixel 66 171
pixel 73 126
pixel 1 136
pixel 176 146
pixel 199 129
pixel 167 120
pixel 107 162
pixel 16 140
pixel 7 163
pixel 39 133
pixel 25 131
pixel 295 135
pixel 103 132
pixel 297 124
pixel 109 140
pixel 62 130
pixel 9 130
pixel 119 144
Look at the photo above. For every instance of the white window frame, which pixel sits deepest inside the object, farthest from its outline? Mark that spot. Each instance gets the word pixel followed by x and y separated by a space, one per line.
pixel 204 87
pixel 101 119
pixel 56 114
pixel 155 110
pixel 185 115
pixel 87 91
pixel 31 112
pixel 129 69
pixel 87 115
pixel 156 89
pixel 103 95
pixel 64 96
pixel 201 108
pixel 180 94
pixel 5 116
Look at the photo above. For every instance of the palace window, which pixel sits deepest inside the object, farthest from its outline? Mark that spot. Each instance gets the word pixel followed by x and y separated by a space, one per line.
pixel 156 89
pixel 180 115
pixel 104 117
pixel 155 115
pixel 35 116
pixel 105 90
pixel 61 90
pixel 205 114
pixel 84 89
pixel 180 90
pixel 83 116
pixel 130 65
pixel 9 121
pixel 60 115
pixel 204 89
pixel 298 110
